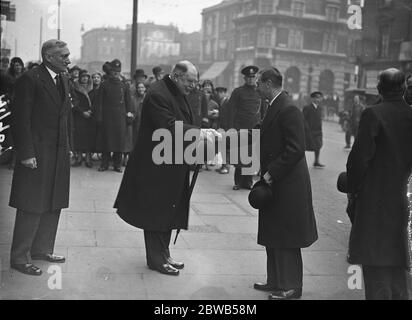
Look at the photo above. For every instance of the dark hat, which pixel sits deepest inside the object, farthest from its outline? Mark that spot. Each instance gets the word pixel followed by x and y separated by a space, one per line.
pixel 107 67
pixel 342 183
pixel 315 94
pixel 221 89
pixel 74 68
pixel 139 73
pixel 261 195
pixel 18 60
pixel 250 71
pixel 84 73
pixel 156 70
pixel 116 65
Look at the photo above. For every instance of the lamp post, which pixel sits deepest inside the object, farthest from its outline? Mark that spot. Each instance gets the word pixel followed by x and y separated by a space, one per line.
pixel 134 38
pixel 58 19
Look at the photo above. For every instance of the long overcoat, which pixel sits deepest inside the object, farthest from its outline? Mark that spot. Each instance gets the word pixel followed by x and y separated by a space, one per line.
pixel 313 127
pixel 378 168
pixel 115 103
pixel 84 129
pixel 289 222
pixel 41 129
pixel 154 196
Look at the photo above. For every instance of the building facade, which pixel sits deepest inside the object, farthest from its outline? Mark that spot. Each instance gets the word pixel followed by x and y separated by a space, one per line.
pixel 307 40
pixel 386 40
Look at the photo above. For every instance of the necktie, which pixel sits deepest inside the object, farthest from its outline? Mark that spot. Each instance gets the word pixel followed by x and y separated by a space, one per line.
pixel 59 86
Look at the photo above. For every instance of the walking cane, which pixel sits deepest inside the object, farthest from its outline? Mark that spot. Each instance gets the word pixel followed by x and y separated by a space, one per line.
pixel 192 186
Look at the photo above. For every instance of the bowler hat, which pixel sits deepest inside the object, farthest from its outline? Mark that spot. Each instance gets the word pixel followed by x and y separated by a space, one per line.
pixel 250 71
pixel 261 195
pixel 139 73
pixel 342 183
pixel 116 65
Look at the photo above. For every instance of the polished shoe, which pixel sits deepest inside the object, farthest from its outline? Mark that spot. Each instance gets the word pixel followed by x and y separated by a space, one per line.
pixel 49 257
pixel 165 269
pixel 318 165
pixel 236 187
pixel 264 287
pixel 101 169
pixel 28 268
pixel 118 170
pixel 286 294
pixel 175 264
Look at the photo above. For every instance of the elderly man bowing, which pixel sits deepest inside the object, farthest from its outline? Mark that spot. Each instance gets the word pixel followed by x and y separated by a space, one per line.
pixel 155 197
pixel 40 187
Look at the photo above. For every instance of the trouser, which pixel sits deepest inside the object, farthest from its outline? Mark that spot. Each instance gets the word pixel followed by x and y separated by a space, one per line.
pixel 284 268
pixel 348 138
pixel 385 283
pixel 157 247
pixel 117 159
pixel 243 181
pixel 317 155
pixel 34 233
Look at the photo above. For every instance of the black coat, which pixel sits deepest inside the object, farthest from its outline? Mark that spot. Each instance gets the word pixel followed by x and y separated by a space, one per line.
pixel 115 101
pixel 84 129
pixel 155 197
pixel 313 127
pixel 40 128
pixel 290 221
pixel 244 107
pixel 378 169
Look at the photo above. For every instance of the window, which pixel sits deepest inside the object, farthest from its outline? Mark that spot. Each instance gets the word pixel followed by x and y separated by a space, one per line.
pixel 266 6
pixel 384 41
pixel 343 46
pixel 224 22
pixel 298 8
pixel 315 7
pixel 329 43
pixel 265 37
pixel 209 25
pixel 244 39
pixel 285 5
pixel 207 48
pixel 282 37
pixel 295 39
pixel 343 10
pixel 332 14
pixel 312 40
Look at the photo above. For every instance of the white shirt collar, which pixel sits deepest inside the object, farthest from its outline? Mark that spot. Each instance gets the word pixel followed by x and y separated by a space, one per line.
pixel 314 104
pixel 275 98
pixel 52 73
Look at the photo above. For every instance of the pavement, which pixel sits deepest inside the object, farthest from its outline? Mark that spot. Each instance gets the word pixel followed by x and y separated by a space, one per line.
pixel 106 257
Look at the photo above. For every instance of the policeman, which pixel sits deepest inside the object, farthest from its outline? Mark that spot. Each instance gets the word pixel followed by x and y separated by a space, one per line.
pixel 244 107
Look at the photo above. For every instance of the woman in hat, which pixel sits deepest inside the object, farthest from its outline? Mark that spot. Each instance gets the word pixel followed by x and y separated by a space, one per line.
pixel 84 126
pixel 97 79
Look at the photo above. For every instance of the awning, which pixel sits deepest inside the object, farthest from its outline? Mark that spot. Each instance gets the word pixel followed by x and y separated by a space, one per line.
pixel 215 70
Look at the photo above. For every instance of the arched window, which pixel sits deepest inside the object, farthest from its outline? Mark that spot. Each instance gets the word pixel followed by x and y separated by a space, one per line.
pixel 292 80
pixel 327 82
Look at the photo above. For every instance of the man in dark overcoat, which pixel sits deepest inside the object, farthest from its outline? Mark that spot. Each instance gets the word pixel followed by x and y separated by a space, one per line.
pixel 244 108
pixel 41 179
pixel 378 169
pixel 155 197
pixel 313 126
pixel 288 223
pixel 116 107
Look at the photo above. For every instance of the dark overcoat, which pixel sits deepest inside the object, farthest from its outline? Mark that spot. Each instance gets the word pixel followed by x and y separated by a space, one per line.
pixel 244 108
pixel 115 103
pixel 84 129
pixel 378 168
pixel 290 221
pixel 156 197
pixel 313 127
pixel 41 130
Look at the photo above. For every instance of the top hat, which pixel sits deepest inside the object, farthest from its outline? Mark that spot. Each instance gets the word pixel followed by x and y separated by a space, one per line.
pixel 116 65
pixel 342 183
pixel 250 71
pixel 139 73
pixel 261 195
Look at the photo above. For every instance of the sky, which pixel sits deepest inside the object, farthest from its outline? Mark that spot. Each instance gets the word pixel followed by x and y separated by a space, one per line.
pixel 185 14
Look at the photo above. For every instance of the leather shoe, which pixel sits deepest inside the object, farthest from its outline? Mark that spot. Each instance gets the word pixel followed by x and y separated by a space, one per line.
pixel 165 269
pixel 318 165
pixel 175 264
pixel 286 294
pixel 102 169
pixel 236 187
pixel 49 257
pixel 264 287
pixel 118 170
pixel 27 268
